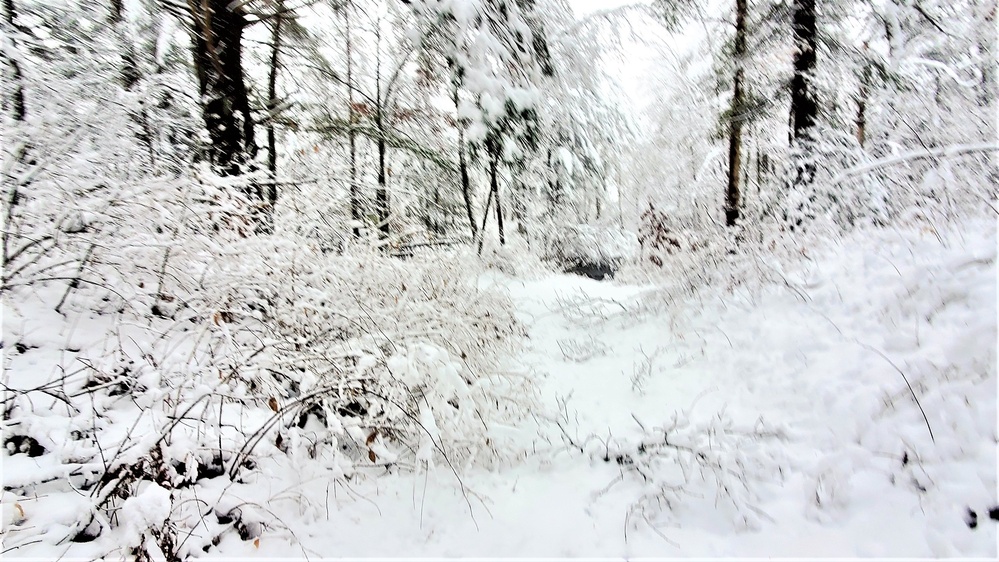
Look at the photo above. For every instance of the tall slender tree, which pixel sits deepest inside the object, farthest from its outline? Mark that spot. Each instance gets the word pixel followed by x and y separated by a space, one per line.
pixel 277 19
pixel 736 117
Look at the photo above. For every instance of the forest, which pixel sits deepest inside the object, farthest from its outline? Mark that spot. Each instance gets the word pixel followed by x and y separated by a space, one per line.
pixel 499 278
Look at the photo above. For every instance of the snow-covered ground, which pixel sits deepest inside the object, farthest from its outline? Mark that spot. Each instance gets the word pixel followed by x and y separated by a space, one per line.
pixel 773 420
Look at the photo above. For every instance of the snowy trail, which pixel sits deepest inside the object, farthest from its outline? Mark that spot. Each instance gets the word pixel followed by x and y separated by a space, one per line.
pixel 820 359
pixel 796 391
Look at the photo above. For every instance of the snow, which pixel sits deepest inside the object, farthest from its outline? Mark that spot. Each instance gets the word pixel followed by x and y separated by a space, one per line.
pixel 797 394
pixel 148 508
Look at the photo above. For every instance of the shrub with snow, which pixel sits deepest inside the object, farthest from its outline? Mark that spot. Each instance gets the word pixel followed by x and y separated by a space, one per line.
pixel 202 358
pixel 594 251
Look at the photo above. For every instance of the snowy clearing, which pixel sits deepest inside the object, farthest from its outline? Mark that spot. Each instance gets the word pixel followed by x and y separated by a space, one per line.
pixel 852 473
pixel 791 428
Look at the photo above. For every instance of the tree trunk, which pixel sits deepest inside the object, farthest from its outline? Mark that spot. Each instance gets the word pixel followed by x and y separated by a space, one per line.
pixel 381 192
pixel 485 217
pixel 355 196
pixel 272 103
pixel 862 95
pixel 736 117
pixel 494 187
pixel 17 97
pixel 466 185
pixel 218 32
pixel 804 108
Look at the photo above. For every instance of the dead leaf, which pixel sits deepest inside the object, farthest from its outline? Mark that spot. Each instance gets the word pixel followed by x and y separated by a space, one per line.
pixel 372 456
pixel 256 543
pixel 20 510
pixel 372 437
pixel 273 403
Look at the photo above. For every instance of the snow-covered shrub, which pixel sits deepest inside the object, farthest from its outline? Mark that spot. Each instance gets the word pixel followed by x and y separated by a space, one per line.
pixel 212 351
pixel 593 251
pixel 689 464
pixel 515 258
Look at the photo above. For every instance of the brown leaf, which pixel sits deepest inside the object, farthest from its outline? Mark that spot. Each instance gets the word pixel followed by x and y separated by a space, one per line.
pixel 273 403
pixel 372 456
pixel 372 437
pixel 20 510
pixel 256 543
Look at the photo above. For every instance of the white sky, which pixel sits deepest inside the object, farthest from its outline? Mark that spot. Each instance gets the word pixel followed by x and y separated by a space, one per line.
pixel 583 7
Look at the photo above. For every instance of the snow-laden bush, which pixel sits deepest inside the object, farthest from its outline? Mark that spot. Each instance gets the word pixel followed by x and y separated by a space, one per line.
pixel 594 251
pixel 214 357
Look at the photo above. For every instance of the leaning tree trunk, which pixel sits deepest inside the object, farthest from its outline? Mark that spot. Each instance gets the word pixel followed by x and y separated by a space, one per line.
pixel 218 33
pixel 736 117
pixel 494 187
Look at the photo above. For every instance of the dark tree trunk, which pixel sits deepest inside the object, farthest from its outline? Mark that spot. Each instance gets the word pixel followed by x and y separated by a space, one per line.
pixel 485 217
pixel 17 97
pixel 494 187
pixel 862 95
pixel 466 184
pixel 736 118
pixel 599 200
pixel 129 67
pixel 381 192
pixel 218 33
pixel 804 108
pixel 272 103
pixel 355 196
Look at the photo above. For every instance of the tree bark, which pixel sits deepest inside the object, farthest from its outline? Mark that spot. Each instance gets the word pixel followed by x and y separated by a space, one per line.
pixel 17 98
pixel 494 187
pixel 736 117
pixel 218 33
pixel 272 103
pixel 355 196
pixel 381 192
pixel 466 185
pixel 485 217
pixel 862 95
pixel 804 108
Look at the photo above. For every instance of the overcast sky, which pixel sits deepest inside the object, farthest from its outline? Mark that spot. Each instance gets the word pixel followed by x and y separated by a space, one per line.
pixel 583 7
